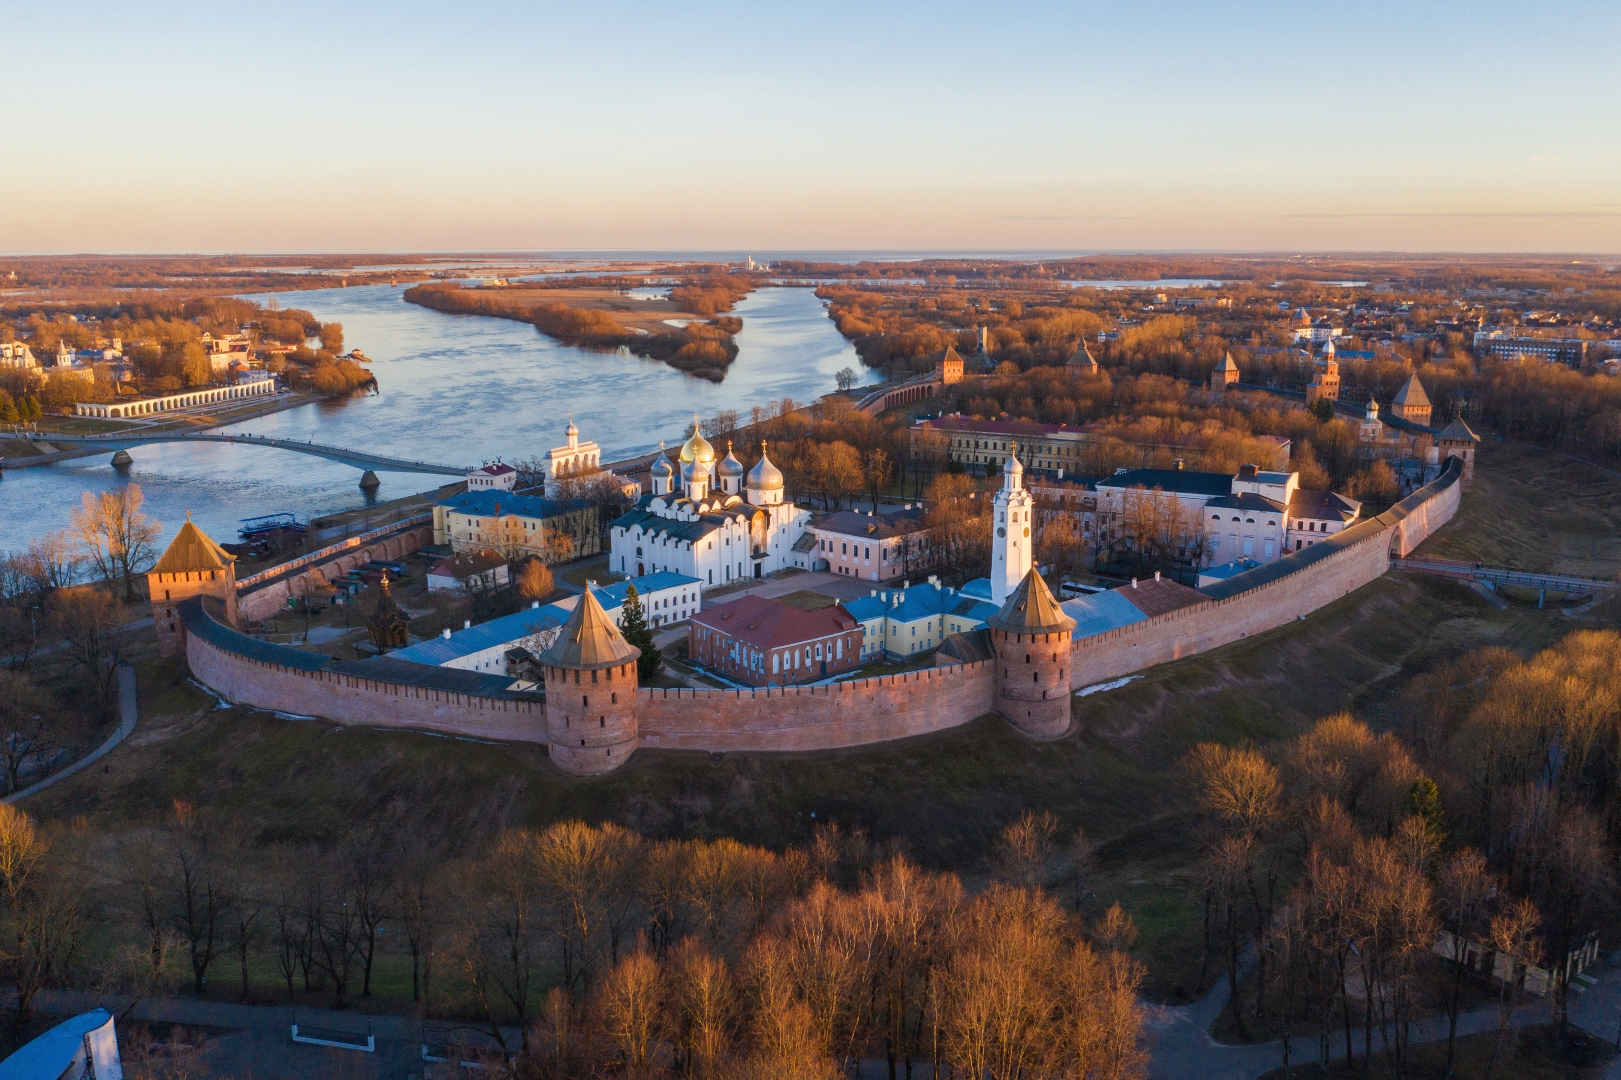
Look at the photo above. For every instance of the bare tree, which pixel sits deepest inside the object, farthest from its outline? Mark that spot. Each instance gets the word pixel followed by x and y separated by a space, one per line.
pixel 117 537
pixel 88 620
pixel 28 726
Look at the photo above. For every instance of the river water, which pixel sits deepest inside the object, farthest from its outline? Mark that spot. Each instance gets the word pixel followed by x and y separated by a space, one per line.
pixel 455 389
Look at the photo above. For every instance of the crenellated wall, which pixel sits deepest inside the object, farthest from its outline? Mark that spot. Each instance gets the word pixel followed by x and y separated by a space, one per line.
pixel 1271 596
pixel 817 717
pixel 266 593
pixel 352 699
pixel 399 694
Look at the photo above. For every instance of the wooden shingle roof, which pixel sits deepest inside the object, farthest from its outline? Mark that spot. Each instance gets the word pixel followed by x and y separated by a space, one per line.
pixel 191 550
pixel 1032 609
pixel 589 640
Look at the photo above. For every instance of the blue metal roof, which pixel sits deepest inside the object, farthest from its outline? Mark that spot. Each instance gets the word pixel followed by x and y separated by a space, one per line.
pixel 919 602
pixel 484 502
pixel 1227 570
pixel 486 635
pixel 50 1054
pixel 1101 612
pixel 509 628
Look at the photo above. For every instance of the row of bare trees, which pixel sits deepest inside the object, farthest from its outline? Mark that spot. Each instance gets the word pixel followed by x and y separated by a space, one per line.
pixel 586 950
pixel 1477 848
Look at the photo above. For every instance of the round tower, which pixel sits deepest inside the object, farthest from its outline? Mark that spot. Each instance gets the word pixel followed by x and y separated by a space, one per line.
pixel 590 672
pixel 1032 635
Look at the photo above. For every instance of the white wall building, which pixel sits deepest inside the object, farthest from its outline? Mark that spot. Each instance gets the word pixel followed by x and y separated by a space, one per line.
pixel 718 528
pixel 570 459
pixel 497 477
pixel 1012 546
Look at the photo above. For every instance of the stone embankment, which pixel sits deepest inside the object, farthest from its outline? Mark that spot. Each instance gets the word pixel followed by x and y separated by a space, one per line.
pixel 395 693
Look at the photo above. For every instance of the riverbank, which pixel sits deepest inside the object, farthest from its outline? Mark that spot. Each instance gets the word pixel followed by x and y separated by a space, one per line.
pixel 196 420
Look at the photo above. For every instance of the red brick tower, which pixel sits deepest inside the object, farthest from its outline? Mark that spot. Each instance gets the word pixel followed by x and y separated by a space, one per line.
pixel 1032 636
pixel 193 565
pixel 590 673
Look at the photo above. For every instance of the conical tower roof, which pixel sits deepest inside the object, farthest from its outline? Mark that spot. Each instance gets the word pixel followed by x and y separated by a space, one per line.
pixel 1457 431
pixel 1412 394
pixel 589 639
pixel 1227 364
pixel 1031 609
pixel 191 550
pixel 950 354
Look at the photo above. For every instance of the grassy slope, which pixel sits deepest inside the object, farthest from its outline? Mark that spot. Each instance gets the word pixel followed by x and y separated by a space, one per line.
pixel 942 797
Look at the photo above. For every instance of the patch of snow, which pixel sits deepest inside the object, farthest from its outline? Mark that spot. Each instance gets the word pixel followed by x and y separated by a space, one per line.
pixel 1098 688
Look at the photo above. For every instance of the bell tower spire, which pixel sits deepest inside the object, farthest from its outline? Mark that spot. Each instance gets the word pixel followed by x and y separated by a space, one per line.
pixel 1011 547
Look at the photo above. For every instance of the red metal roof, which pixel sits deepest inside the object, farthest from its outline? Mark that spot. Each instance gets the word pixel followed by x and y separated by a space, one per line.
pixel 770 624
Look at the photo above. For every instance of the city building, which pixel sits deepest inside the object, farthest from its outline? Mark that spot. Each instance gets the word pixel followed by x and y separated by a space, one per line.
pixel 469 571
pixel 223 350
pixel 873 547
pixel 1313 515
pixel 1506 345
pixel 511 644
pixel 497 477
pixel 719 527
pixel 1211 518
pixel 14 354
pixel 763 642
pixel 900 623
pixel 517 525
pixel 986 445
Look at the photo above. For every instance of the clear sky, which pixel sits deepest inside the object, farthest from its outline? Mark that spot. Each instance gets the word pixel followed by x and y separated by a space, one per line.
pixel 1054 126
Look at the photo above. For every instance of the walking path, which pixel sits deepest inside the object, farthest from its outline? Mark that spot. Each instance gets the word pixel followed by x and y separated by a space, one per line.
pixel 126 725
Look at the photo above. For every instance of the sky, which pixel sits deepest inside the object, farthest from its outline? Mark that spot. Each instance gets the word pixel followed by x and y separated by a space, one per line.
pixel 532 126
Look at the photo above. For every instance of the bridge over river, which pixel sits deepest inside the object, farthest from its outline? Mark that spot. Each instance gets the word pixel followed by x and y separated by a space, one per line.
pixel 78 446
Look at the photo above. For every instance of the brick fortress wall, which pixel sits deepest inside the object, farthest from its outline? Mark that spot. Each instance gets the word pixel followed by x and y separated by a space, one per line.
pixel 817 717
pixel 867 710
pixel 265 594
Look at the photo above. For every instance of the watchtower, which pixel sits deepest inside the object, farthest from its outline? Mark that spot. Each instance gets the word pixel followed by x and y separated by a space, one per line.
pixel 1081 362
pixel 591 663
pixel 1225 375
pixel 1456 440
pixel 1325 383
pixel 949 369
pixel 1411 403
pixel 192 565
pixel 1032 637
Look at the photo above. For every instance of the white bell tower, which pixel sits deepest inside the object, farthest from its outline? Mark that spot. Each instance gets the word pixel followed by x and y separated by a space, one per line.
pixel 1011 547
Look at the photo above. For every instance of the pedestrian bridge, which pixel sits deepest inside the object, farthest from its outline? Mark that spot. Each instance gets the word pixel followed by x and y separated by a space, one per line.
pixel 360 459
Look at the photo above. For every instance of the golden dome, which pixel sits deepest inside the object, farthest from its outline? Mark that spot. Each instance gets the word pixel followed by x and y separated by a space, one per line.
pixel 697 448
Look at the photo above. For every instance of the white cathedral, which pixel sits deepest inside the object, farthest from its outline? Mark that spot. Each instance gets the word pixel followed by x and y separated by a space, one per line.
pixel 720 527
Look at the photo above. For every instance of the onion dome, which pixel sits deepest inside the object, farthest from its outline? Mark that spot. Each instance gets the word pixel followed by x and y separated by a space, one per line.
pixel 697 448
pixel 1012 467
pixel 729 465
pixel 662 466
pixel 691 470
pixel 765 476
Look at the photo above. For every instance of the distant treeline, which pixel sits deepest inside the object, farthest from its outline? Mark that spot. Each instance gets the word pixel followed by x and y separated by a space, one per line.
pixel 703 349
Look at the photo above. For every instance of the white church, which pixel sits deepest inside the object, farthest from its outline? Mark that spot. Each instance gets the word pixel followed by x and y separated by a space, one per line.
pixel 720 527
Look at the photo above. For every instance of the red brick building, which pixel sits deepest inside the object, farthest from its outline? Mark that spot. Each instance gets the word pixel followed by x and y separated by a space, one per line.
pixel 762 642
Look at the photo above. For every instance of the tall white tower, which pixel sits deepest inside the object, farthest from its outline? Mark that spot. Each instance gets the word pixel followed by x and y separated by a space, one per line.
pixel 1010 550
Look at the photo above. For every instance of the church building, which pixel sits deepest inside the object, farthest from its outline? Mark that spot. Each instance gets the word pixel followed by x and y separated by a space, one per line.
pixel 718 527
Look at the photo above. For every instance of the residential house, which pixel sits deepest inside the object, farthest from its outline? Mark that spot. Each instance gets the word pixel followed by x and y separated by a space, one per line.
pixel 872 547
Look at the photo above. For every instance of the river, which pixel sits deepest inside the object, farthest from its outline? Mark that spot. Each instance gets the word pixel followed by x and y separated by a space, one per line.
pixel 456 389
